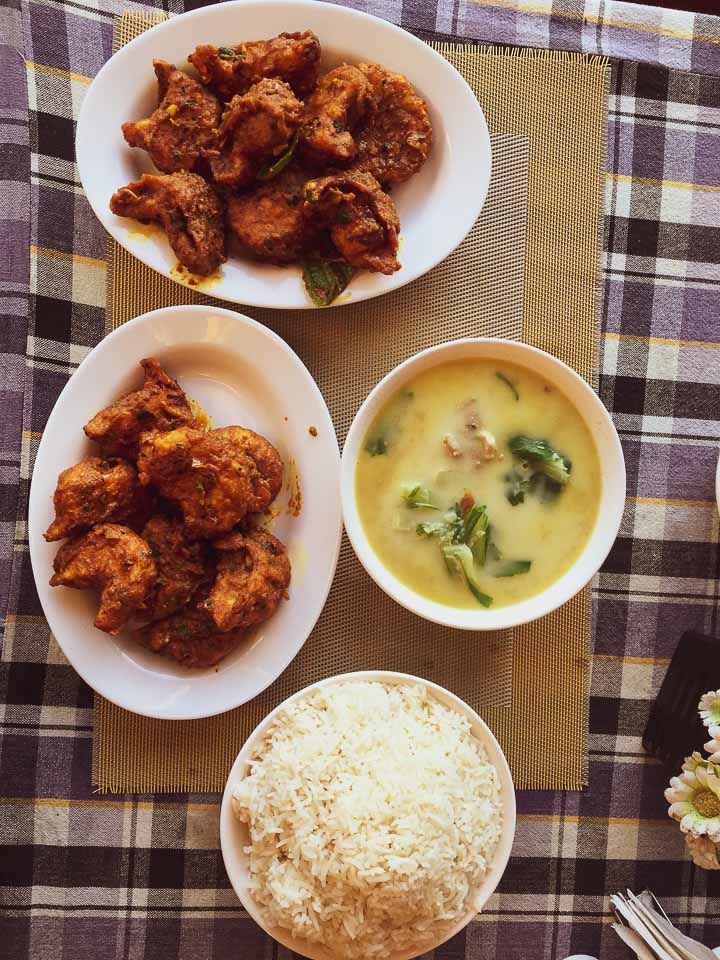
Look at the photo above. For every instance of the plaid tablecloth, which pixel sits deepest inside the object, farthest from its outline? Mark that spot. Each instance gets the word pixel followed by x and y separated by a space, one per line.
pixel 135 878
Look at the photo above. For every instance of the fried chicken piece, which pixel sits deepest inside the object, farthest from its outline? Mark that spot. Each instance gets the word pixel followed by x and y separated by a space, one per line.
pixel 253 574
pixel 292 57
pixel 182 127
pixel 362 220
pixel 255 128
pixel 190 637
pixel 331 114
pixel 159 405
pixel 268 223
pixel 114 560
pixel 188 210
pixel 262 453
pixel 395 137
pixel 93 491
pixel 216 478
pixel 181 567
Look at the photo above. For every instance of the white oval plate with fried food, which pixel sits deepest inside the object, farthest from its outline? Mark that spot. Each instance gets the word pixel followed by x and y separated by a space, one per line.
pixel 241 373
pixel 437 206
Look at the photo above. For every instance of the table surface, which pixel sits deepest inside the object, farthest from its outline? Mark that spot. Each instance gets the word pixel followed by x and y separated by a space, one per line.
pixel 134 877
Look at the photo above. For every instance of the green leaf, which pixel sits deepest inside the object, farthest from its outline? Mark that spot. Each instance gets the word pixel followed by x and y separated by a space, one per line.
pixel 470 521
pixel 325 279
pixel 543 457
pixel 492 551
pixel 508 383
pixel 271 170
pixel 518 486
pixel 417 497
pixel 459 559
pixel 434 528
pixel 376 446
pixel 482 598
pixel 512 568
pixel 478 541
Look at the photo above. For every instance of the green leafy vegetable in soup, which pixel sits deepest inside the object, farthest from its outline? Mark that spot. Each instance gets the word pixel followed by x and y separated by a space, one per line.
pixel 417 497
pixel 477 489
pixel 509 384
pixel 538 469
pixel 543 457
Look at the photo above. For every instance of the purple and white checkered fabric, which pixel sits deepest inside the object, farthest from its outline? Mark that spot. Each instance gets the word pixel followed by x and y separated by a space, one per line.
pixel 136 878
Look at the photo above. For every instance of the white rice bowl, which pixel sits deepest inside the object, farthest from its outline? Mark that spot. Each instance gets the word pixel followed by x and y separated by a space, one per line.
pixel 373 814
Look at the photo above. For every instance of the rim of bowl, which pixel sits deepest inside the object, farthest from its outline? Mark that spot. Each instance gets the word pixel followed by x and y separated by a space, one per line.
pixel 612 473
pixel 496 756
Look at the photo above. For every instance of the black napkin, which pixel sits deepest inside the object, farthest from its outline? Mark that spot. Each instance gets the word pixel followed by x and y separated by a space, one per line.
pixel 674 728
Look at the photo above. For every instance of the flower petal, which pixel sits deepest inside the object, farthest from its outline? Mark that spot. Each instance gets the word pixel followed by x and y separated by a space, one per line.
pixel 709 707
pixel 703 851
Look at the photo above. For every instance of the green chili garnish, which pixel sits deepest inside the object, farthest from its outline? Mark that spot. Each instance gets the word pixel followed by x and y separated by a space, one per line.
pixel 271 170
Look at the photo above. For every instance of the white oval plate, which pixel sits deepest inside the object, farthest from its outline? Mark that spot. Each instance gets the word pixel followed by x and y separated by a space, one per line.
pixel 241 373
pixel 235 837
pixel 437 207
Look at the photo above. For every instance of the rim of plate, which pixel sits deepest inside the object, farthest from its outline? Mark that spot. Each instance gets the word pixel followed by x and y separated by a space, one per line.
pixel 35 538
pixel 465 215
pixel 610 508
pixel 496 756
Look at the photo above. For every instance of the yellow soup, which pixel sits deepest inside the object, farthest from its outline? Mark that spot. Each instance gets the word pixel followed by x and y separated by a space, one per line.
pixel 478 484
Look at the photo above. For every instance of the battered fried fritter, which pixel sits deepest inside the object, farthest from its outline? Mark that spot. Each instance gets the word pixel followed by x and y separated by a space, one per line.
pixel 362 220
pixel 181 566
pixel 255 128
pixel 213 477
pixel 114 560
pixel 188 210
pixel 395 137
pixel 184 124
pixel 93 491
pixel 268 223
pixel 160 405
pixel 253 574
pixel 292 57
pixel 331 114
pixel 190 637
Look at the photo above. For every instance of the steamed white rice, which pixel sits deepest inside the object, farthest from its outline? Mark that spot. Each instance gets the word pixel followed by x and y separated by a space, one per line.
pixel 373 814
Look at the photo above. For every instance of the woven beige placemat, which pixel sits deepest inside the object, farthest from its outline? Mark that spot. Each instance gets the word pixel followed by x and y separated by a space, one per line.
pixel 477 291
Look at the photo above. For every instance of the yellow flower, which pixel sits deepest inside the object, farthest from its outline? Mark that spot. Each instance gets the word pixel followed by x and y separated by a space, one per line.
pixel 709 708
pixel 694 798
